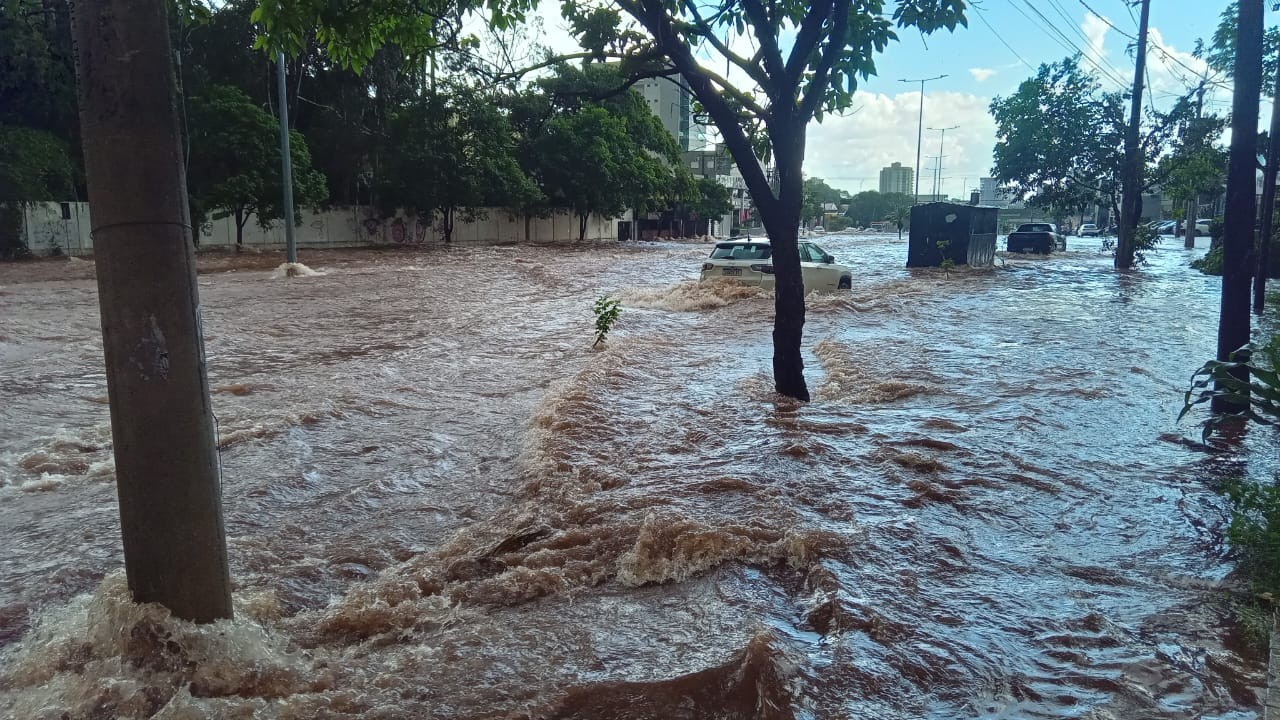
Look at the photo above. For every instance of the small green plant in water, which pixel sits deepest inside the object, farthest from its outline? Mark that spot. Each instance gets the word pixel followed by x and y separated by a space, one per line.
pixel 607 310
pixel 947 263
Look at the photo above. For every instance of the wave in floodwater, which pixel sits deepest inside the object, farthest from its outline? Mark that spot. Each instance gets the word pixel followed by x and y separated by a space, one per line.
pixel 441 502
pixel 692 296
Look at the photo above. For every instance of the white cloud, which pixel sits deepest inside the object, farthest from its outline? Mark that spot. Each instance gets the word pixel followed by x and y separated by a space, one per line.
pixel 981 74
pixel 849 151
pixel 1095 29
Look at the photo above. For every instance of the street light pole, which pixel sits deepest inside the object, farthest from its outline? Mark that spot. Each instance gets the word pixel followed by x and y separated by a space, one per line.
pixel 920 128
pixel 938 170
pixel 286 165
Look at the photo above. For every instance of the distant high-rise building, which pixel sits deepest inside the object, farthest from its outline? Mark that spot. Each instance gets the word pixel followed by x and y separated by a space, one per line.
pixel 674 107
pixel 896 179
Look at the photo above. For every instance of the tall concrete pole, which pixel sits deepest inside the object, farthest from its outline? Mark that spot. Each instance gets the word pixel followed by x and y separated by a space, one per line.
pixel 920 129
pixel 1267 211
pixel 1241 203
pixel 1130 196
pixel 1193 205
pixel 161 426
pixel 286 162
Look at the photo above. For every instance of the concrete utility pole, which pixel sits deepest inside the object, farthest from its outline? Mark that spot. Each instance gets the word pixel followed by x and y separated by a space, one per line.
pixel 1267 211
pixel 1131 195
pixel 286 162
pixel 161 425
pixel 920 128
pixel 1241 206
pixel 1192 210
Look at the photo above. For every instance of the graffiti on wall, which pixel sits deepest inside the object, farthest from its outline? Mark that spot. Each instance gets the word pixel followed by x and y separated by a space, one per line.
pixel 407 230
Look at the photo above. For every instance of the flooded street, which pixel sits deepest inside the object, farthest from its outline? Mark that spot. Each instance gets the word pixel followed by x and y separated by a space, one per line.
pixel 442 503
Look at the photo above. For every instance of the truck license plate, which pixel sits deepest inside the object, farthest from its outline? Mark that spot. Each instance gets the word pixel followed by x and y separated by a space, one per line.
pixel 732 271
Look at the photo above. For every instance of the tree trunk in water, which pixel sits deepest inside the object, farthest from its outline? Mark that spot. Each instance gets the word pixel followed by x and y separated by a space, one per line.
pixel 528 222
pixel 582 227
pixel 1190 211
pixel 782 221
pixel 447 220
pixel 1267 211
pixel 1241 204
pixel 161 425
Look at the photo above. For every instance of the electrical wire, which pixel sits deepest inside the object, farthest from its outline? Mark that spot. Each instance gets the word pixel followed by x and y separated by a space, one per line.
pixel 1074 25
pixel 1051 31
pixel 983 18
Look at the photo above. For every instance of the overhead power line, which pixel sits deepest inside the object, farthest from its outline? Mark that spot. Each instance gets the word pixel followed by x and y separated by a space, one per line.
pixel 1050 29
pixel 978 11
pixel 1079 32
pixel 1155 46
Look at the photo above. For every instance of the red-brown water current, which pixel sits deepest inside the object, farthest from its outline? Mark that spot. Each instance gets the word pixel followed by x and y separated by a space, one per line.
pixel 442 503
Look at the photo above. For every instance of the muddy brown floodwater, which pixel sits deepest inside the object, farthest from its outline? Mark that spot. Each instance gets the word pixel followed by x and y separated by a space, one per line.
pixel 441 503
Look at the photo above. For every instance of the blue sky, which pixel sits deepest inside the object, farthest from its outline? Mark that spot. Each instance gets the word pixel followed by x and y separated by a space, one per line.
pixel 849 151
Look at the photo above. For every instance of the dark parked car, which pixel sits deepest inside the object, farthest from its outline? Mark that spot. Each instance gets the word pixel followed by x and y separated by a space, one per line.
pixel 1037 238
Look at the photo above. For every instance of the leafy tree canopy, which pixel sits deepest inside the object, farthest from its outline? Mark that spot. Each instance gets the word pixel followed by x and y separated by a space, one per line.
pixel 712 200
pixel 35 165
pixel 1060 139
pixel 448 153
pixel 234 166
pixel 871 206
pixel 352 32
pixel 1220 51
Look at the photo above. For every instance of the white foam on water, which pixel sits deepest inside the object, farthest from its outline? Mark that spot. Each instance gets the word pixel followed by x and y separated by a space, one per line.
pixel 294 270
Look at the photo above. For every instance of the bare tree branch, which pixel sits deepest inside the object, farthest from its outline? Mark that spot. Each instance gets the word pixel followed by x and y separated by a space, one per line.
pixel 703 29
pixel 809 36
pixel 762 23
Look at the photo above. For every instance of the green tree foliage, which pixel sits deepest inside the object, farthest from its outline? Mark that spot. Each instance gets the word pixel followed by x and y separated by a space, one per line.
pixel 450 154
pixel 900 216
pixel 1220 52
pixel 1196 164
pixel 594 149
pixel 234 167
pixel 37 68
pixel 35 165
pixel 586 161
pixel 817 193
pixel 1060 140
pixel 870 206
pixel 39 127
pixel 711 200
pixel 352 33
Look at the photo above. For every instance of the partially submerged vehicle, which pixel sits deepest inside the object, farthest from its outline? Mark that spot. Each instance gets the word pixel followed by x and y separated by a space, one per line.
pixel 750 261
pixel 1037 237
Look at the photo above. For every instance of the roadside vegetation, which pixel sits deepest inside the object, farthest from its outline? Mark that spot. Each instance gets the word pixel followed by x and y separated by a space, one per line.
pixel 1253 533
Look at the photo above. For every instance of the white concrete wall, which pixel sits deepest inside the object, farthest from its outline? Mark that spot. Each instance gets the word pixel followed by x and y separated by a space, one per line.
pixel 47 230
pixel 340 227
